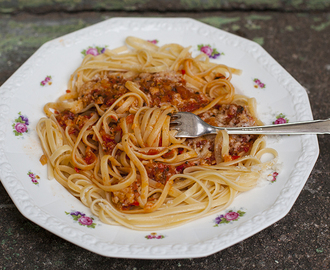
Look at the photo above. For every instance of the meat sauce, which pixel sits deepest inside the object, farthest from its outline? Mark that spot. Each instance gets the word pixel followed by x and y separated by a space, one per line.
pixel 103 91
pixel 76 122
pixel 161 88
pixel 170 88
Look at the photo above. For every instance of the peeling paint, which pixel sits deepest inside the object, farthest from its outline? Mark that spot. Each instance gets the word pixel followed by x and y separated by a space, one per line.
pixel 321 27
pixel 289 28
pixel 252 26
pixel 7 10
pixel 317 19
pixel 39 6
pixel 33 35
pixel 303 15
pixel 38 3
pixel 258 17
pixel 119 4
pixel 317 4
pixel 219 21
pixel 296 3
pixel 259 40
pixel 192 4
pixel 235 27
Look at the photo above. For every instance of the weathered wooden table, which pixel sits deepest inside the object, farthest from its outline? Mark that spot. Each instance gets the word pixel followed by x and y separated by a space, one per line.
pixel 297 35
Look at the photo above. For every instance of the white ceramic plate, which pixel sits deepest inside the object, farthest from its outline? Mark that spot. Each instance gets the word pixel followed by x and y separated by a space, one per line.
pixel 49 205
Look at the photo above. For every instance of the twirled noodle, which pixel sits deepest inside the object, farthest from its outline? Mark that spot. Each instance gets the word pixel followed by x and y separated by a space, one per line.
pixel 108 139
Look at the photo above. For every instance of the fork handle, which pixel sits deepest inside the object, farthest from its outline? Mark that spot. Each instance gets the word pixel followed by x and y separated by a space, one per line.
pixel 307 127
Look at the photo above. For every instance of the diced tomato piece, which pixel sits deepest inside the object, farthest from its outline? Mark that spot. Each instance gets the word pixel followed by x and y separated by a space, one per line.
pixel 130 118
pixel 136 203
pixel 169 154
pixel 246 149
pixel 153 152
pixel 90 157
pixel 181 167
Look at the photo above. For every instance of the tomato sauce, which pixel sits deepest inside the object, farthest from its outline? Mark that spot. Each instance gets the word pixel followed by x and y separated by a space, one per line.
pixel 160 172
pixel 170 88
pixel 160 88
pixel 90 157
pixel 103 91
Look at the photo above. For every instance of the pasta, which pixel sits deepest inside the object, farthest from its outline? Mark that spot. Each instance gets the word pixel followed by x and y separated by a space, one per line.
pixel 109 142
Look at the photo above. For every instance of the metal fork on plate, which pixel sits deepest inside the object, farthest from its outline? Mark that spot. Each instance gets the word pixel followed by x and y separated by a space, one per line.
pixel 190 125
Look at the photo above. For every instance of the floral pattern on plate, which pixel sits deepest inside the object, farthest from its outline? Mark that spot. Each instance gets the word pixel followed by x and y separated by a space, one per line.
pixel 274 175
pixel 96 50
pixel 217 239
pixel 20 125
pixel 154 41
pixel 47 80
pixel 209 51
pixel 154 236
pixel 228 217
pixel 34 178
pixel 82 219
pixel 281 119
pixel 258 83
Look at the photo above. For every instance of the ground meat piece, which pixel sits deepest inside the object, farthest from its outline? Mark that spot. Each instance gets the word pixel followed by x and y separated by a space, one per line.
pixel 127 197
pixel 103 91
pixel 109 140
pixel 81 120
pixel 90 157
pixel 124 197
pixel 229 115
pixel 167 87
pixel 66 118
pixel 170 88
pixel 240 145
pixel 159 171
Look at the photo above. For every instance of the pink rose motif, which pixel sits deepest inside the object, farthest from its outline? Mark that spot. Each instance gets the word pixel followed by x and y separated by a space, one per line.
pixel 20 127
pixel 92 51
pixel 154 236
pixel 155 41
pixel 231 216
pixel 207 50
pixel 280 121
pixel 85 220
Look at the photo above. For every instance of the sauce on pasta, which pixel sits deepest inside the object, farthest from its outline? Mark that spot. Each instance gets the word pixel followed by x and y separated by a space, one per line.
pixel 108 138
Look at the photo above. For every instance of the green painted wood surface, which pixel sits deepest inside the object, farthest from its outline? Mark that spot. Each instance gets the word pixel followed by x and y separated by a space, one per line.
pixel 299 41
pixel 45 6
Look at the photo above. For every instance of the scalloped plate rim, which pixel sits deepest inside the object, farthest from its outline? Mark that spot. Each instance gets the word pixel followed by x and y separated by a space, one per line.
pixel 146 255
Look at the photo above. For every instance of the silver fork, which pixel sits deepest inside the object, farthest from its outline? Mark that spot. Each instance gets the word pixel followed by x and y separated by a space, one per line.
pixel 190 125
